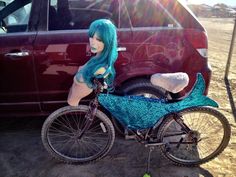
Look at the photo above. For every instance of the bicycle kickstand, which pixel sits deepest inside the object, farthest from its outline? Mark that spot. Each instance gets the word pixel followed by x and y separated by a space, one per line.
pixel 147 173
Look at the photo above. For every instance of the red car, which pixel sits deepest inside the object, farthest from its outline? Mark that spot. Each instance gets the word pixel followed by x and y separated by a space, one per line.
pixel 43 42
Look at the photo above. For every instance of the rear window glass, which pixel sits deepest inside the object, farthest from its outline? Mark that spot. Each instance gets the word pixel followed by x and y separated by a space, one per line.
pixel 79 14
pixel 147 13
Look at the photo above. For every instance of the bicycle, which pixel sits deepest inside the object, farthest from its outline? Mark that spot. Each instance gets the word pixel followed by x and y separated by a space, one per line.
pixel 189 132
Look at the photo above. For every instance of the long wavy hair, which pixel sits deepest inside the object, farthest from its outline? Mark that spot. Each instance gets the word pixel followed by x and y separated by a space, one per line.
pixel 106 31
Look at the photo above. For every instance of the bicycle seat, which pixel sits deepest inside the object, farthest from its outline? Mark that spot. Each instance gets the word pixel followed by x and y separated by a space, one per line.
pixel 172 82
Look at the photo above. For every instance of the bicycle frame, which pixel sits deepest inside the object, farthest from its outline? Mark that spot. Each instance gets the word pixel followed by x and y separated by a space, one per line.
pixel 93 105
pixel 108 102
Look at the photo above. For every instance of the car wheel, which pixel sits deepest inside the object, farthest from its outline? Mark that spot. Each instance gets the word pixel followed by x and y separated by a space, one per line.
pixel 143 87
pixel 140 87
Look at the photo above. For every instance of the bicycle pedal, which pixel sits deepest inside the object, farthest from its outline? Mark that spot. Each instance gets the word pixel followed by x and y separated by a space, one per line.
pixel 130 137
pixel 153 144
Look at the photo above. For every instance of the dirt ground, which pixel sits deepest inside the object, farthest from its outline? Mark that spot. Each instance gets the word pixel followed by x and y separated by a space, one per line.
pixel 219 35
pixel 22 153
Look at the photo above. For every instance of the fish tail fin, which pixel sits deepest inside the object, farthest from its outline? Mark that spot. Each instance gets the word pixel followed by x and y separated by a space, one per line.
pixel 197 97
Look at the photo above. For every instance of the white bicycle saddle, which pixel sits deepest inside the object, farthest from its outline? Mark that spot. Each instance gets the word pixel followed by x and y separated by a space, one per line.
pixel 172 82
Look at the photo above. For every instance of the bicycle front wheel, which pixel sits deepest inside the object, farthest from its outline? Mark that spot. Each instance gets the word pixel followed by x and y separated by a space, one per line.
pixel 61 135
pixel 208 136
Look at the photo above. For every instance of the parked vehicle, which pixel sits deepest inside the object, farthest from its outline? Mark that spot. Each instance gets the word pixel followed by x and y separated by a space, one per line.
pixel 43 42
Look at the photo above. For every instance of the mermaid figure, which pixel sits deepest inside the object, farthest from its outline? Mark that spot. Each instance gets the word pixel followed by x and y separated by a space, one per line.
pixel 103 43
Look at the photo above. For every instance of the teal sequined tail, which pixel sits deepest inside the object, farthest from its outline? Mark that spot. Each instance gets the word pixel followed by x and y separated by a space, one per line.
pixel 197 97
pixel 141 113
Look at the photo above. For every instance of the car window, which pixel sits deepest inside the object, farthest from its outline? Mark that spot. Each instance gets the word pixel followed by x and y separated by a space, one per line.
pixel 147 13
pixel 124 20
pixel 14 15
pixel 70 14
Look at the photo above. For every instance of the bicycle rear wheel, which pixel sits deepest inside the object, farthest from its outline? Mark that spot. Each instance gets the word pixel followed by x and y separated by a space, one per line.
pixel 60 135
pixel 208 136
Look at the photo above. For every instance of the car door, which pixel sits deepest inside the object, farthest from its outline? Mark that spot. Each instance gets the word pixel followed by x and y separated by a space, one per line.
pixel 62 46
pixel 18 91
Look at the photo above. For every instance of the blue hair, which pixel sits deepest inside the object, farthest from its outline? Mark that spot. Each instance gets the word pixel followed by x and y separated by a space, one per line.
pixel 106 31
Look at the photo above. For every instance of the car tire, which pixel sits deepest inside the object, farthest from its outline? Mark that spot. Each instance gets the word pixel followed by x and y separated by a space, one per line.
pixel 143 87
pixel 140 87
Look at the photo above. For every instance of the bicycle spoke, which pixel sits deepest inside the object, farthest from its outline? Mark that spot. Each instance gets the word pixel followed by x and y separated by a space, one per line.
pixel 63 137
pixel 208 136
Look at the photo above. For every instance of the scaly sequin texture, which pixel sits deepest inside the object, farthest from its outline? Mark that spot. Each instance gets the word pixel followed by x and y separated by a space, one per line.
pixel 135 112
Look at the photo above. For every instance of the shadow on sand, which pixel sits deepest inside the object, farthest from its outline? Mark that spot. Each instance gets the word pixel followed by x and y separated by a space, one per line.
pixel 22 154
pixel 231 98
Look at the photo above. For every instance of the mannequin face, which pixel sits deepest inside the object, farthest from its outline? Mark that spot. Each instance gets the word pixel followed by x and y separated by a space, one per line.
pixel 96 44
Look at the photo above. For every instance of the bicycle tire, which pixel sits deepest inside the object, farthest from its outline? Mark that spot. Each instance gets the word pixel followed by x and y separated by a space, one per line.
pixel 60 135
pixel 210 128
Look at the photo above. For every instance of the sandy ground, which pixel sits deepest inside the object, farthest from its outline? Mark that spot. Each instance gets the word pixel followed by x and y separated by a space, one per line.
pixel 22 153
pixel 219 35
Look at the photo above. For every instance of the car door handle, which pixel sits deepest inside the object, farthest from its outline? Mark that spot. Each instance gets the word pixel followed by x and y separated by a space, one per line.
pixel 17 54
pixel 121 49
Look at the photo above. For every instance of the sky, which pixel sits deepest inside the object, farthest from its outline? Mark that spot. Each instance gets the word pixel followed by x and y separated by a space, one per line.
pixel 212 2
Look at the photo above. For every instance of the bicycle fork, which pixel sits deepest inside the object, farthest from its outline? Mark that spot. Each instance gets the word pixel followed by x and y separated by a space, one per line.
pixel 89 117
